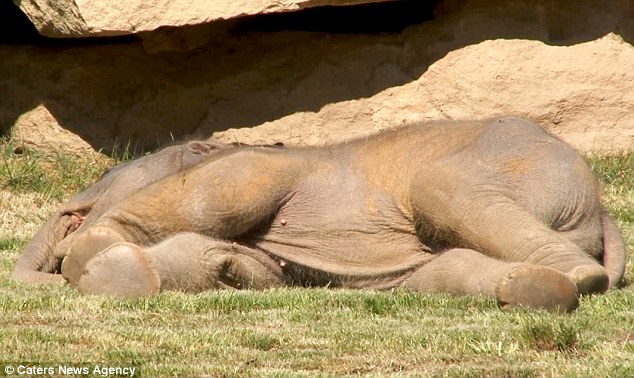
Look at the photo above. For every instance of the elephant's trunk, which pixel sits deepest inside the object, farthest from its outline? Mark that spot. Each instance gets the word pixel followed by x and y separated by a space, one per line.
pixel 613 250
pixel 38 264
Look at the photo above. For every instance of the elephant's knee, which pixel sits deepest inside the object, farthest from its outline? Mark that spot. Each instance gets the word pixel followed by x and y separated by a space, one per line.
pixel 590 279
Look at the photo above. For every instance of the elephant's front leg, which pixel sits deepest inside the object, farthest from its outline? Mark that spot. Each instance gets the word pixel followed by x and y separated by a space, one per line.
pixel 221 199
pixel 467 272
pixel 187 262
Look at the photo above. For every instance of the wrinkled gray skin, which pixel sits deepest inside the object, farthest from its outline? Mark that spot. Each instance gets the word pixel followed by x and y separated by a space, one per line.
pixel 39 264
pixel 500 209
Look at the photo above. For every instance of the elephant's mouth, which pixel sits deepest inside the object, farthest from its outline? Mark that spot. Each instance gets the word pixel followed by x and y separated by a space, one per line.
pixel 74 220
pixel 69 222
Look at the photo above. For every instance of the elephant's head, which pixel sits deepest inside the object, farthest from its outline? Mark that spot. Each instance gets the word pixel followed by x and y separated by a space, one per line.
pixel 40 263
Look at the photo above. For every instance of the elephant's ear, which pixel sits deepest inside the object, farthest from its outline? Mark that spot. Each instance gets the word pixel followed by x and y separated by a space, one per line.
pixel 205 147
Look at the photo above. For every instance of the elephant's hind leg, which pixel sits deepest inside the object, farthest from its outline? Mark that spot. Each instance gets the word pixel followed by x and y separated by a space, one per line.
pixel 467 272
pixel 187 262
pixel 471 212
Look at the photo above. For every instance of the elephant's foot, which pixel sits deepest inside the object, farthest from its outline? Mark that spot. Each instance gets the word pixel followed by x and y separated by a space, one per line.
pixel 537 287
pixel 122 270
pixel 590 279
pixel 84 248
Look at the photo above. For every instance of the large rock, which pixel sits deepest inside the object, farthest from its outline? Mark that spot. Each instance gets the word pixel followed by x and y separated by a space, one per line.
pixel 75 18
pixel 475 59
pixel 583 93
pixel 39 130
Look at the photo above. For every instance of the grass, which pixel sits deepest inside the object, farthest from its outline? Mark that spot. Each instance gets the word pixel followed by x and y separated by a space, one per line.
pixel 616 172
pixel 294 331
pixel 57 176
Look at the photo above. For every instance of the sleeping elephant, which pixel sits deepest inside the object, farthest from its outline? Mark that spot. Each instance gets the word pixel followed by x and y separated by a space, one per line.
pixel 496 208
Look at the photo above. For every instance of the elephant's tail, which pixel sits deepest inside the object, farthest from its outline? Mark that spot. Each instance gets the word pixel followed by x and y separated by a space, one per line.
pixel 613 250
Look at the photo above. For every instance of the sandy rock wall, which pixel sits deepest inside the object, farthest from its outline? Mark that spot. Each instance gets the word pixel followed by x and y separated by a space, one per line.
pixel 83 18
pixel 570 67
pixel 559 87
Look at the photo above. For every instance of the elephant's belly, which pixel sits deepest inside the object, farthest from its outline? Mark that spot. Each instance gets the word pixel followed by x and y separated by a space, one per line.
pixel 349 243
pixel 325 261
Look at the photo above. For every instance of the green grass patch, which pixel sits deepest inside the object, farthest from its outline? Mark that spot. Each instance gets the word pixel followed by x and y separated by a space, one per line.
pixel 12 244
pixel 22 170
pixel 305 332
pixel 57 175
pixel 617 175
pixel 614 170
pixel 551 336
pixel 314 331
